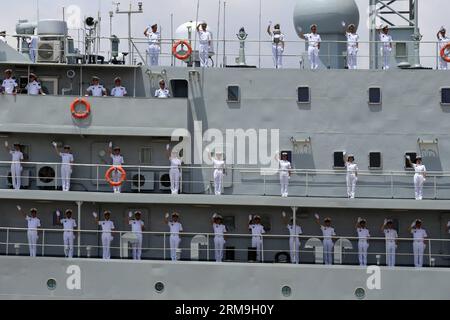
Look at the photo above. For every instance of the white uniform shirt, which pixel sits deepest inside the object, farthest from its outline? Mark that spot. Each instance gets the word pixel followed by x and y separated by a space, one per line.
pixel 153 38
pixel 327 232
pixel 219 229
pixel 443 41
pixel 136 225
pixel 285 166
pixel 257 229
pixel 33 223
pixel 175 228
pixel 352 168
pixel 448 226
pixel 313 39
pixel 162 93
pixel 352 39
pixel 118 91
pixel 9 85
pixel 391 235
pixel 219 164
pixel 16 155
pixel 97 90
pixel 419 168
pixel 66 158
pixel 386 39
pixel 363 233
pixel 107 226
pixel 175 163
pixel 294 230
pixel 33 88
pixel 117 160
pixel 68 224
pixel 419 234
pixel 277 38
pixel 205 37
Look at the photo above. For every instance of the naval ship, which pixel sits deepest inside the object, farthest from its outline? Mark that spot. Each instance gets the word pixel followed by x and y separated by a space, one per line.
pixel 314 115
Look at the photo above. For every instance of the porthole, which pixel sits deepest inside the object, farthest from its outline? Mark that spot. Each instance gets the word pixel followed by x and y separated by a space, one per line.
pixel 360 293
pixel 51 284
pixel 159 287
pixel 286 291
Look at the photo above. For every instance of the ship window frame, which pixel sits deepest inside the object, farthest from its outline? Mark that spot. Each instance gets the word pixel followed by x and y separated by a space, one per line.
pixel 401 47
pixel 334 158
pixel 51 79
pixel 309 94
pixel 141 151
pixel 174 88
pixel 238 93
pixel 412 160
pixel 441 94
pixel 381 160
pixel 381 95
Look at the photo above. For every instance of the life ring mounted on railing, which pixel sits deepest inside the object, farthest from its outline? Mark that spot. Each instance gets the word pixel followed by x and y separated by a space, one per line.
pixel 123 176
pixel 177 53
pixel 80 115
pixel 445 52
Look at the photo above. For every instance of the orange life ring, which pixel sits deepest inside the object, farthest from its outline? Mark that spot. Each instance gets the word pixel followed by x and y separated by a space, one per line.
pixel 123 176
pixel 80 115
pixel 182 56
pixel 444 56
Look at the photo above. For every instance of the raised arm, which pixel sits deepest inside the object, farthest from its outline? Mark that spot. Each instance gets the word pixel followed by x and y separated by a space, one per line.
pixel 7 146
pixel 168 153
pixel 129 218
pixel 408 159
pixel 95 215
pixel 19 208
pixel 110 146
pixel 383 226
pixel 146 31
pixel 285 218
pixel 166 218
pixel 269 32
pixel 55 146
pixel 58 217
pixel 317 219
pixel 250 220
pixel 358 223
pixel 411 226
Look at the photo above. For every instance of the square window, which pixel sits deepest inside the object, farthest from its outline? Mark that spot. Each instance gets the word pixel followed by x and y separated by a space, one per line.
pixel 445 96
pixel 179 88
pixel 145 155
pixel 375 160
pixel 412 156
pixel 375 95
pixel 229 223
pixel 234 94
pixel 338 160
pixel 401 50
pixel 303 94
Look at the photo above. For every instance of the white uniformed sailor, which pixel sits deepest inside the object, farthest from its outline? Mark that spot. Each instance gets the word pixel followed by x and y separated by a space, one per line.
pixel 69 224
pixel 257 229
pixel 96 89
pixel 327 233
pixel 314 41
pixel 386 46
pixel 391 241
pixel 294 240
pixel 277 44
pixel 419 235
pixel 363 243
pixel 66 165
pixel 162 92
pixel 205 41
pixel 419 176
pixel 9 85
pixel 154 42
pixel 16 165
pixel 107 227
pixel 33 223
pixel 137 226
pixel 33 47
pixel 352 174
pixel 118 90
pixel 219 171
pixel 352 46
pixel 117 161
pixel 174 172
pixel 219 240
pixel 175 228
pixel 34 87
pixel 284 169
pixel 443 40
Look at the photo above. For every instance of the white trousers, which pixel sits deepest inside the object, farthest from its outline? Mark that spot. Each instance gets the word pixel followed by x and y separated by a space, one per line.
pixel 106 242
pixel 137 247
pixel 294 247
pixel 390 253
pixel 32 242
pixel 204 55
pixel 277 52
pixel 153 55
pixel 33 55
pixel 66 172
pixel 351 185
pixel 386 54
pixel 68 238
pixel 257 243
pixel 363 245
pixel 174 243
pixel 116 175
pixel 418 248
pixel 352 56
pixel 443 65
pixel 313 55
pixel 418 186
pixel 16 171
pixel 284 181
pixel 218 181
pixel 219 243
pixel 174 180
pixel 328 251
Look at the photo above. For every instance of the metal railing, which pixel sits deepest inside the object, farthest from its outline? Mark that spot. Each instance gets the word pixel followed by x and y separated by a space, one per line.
pixel 275 248
pixel 239 180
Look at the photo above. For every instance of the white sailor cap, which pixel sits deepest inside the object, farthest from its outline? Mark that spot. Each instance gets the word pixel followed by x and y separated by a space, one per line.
pixel 175 214
pixel 256 217
pixel 389 221
pixel 327 219
pixel 68 211
pixel 351 155
pixel 218 216
pixel 33 210
pixel 363 221
pixel 418 221
pixel 442 29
